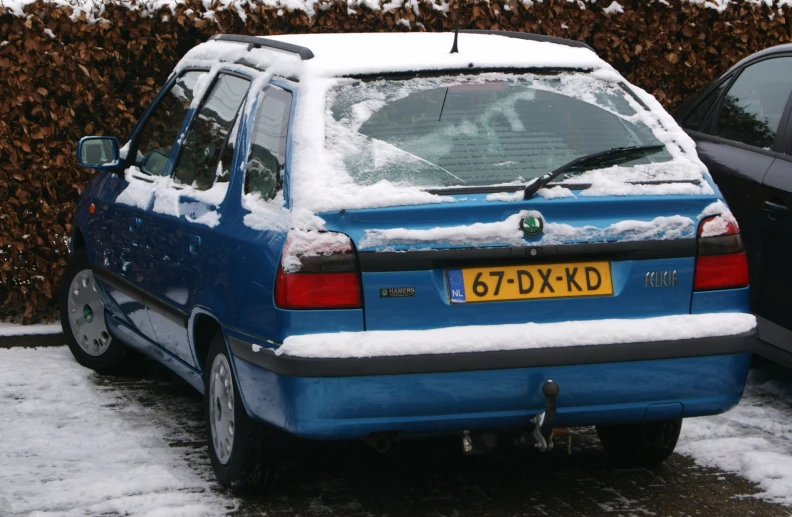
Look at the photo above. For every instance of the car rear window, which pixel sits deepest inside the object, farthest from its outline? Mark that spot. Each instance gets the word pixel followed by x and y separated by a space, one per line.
pixel 477 130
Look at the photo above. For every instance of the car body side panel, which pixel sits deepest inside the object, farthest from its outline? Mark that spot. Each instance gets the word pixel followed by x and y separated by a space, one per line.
pixel 114 231
pixel 738 172
pixel 775 284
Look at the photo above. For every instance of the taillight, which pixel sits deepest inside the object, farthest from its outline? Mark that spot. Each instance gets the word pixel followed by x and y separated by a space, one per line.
pixel 721 262
pixel 319 270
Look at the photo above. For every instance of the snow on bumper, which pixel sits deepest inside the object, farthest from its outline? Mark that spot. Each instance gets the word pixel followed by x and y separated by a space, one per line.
pixel 524 336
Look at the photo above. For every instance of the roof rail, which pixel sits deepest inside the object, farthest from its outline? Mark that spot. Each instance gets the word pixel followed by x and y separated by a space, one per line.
pixel 532 37
pixel 258 42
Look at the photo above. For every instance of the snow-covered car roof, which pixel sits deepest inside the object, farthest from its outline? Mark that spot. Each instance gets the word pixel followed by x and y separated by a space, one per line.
pixel 371 53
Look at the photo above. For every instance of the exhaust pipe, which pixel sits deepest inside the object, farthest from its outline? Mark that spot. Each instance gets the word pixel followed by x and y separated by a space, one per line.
pixel 381 444
pixel 478 442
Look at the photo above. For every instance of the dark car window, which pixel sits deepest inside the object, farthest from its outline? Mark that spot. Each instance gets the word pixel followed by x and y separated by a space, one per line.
pixel 752 109
pixel 204 141
pixel 697 116
pixel 163 125
pixel 268 143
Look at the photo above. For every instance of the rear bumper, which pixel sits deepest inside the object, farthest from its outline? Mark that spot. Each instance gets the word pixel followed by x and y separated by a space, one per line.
pixel 341 398
pixel 492 360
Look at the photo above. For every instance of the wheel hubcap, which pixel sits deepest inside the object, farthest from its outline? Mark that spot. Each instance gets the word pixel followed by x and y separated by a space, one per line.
pixel 86 314
pixel 221 408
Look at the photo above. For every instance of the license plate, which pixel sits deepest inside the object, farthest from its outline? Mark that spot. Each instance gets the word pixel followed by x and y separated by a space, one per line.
pixel 530 282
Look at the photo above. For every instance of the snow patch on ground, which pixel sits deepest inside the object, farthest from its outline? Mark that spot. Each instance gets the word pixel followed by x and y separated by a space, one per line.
pixel 70 448
pixel 14 329
pixel 485 338
pixel 753 440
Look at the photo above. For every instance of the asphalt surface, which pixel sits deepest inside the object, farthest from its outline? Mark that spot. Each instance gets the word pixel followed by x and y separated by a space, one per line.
pixel 430 477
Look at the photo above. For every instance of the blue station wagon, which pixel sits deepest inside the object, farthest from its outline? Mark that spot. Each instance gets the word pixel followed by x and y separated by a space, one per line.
pixel 366 236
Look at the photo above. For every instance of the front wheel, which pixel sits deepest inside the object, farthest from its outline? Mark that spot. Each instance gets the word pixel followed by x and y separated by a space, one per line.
pixel 640 445
pixel 82 316
pixel 242 450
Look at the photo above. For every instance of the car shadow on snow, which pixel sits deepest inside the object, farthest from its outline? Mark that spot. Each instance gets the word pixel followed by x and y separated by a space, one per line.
pixel 431 477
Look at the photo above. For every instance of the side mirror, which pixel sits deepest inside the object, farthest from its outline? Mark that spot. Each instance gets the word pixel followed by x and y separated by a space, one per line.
pixel 98 152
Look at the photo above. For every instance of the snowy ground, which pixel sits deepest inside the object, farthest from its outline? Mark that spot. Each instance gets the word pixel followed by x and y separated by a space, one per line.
pixel 75 444
pixel 70 445
pixel 14 329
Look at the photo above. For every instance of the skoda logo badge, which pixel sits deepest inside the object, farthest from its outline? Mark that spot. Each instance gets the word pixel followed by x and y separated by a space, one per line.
pixel 531 226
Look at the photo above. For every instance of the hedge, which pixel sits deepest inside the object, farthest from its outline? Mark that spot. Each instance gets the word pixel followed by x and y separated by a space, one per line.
pixel 66 73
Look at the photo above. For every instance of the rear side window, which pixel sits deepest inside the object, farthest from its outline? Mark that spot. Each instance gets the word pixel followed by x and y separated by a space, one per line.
pixel 267 154
pixel 696 117
pixel 162 127
pixel 752 109
pixel 199 163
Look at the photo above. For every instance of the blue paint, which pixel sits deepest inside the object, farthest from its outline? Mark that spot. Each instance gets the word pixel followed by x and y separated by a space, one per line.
pixel 352 407
pixel 228 272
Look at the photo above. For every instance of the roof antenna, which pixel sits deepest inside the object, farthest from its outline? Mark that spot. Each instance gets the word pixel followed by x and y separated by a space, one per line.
pixel 454 49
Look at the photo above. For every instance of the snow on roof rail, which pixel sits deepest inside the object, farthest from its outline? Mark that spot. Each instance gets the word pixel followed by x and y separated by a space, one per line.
pixel 530 36
pixel 258 42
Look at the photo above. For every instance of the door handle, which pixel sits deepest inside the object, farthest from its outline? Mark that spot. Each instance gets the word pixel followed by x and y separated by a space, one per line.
pixel 135 224
pixel 774 210
pixel 195 245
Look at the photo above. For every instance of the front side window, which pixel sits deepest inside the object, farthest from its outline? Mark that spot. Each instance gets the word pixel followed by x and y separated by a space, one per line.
pixel 268 143
pixel 476 130
pixel 752 109
pixel 199 163
pixel 162 127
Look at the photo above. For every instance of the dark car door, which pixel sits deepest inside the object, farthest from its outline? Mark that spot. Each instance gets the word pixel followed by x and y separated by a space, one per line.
pixel 186 212
pixel 774 294
pixel 736 129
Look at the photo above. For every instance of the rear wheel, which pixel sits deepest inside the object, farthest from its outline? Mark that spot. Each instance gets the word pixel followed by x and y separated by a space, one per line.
pixel 640 445
pixel 242 451
pixel 82 316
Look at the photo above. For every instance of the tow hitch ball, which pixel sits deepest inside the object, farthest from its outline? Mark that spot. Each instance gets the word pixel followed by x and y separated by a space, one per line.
pixel 543 423
pixel 540 436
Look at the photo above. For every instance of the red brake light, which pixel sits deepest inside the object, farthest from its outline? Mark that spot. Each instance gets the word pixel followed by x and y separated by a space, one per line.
pixel 721 272
pixel 721 262
pixel 318 270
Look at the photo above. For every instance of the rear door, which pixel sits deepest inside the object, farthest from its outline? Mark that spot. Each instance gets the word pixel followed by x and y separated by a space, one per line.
pixel 186 212
pixel 773 301
pixel 737 132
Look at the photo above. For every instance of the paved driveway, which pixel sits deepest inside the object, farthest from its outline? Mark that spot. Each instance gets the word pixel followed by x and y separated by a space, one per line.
pixel 72 443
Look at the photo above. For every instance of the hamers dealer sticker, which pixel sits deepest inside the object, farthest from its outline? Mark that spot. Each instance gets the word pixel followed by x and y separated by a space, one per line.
pixel 397 292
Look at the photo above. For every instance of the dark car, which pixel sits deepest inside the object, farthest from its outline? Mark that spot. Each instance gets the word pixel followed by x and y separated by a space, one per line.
pixel 743 131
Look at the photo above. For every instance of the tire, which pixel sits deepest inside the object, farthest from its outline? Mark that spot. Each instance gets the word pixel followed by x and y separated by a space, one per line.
pixel 640 445
pixel 243 452
pixel 83 320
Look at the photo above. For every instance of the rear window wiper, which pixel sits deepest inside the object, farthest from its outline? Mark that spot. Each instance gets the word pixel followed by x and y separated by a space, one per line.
pixel 608 157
